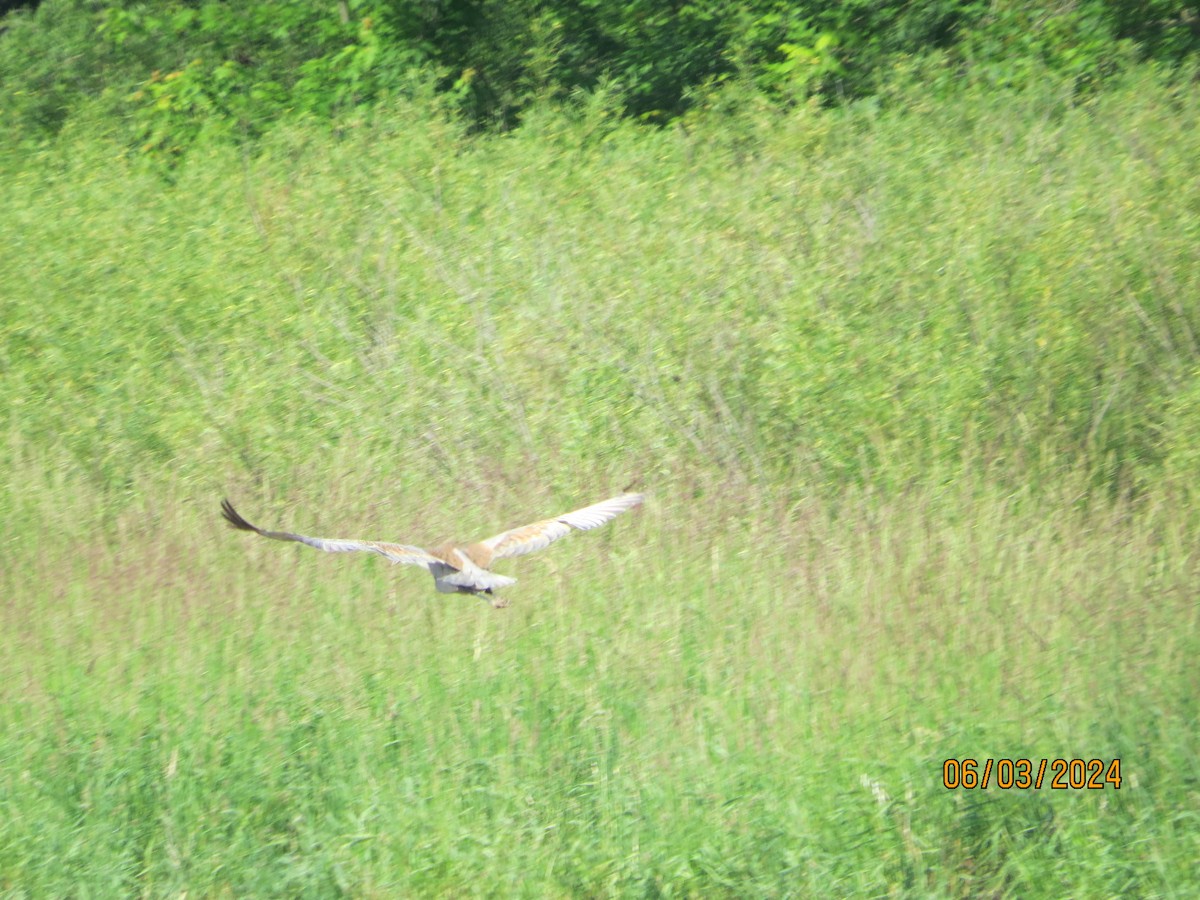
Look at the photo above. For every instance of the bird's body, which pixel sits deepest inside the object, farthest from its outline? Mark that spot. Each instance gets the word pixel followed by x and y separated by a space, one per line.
pixel 463 568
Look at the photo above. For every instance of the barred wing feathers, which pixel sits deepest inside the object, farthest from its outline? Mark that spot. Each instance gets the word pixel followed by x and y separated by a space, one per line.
pixel 397 553
pixel 540 535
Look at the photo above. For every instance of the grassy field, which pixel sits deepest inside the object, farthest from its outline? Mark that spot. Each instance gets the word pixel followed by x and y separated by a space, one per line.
pixel 915 397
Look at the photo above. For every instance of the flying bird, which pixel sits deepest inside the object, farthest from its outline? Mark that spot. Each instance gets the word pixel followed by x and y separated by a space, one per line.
pixel 464 568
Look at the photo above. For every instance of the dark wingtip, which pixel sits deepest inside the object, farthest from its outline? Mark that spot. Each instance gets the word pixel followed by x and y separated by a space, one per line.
pixel 232 517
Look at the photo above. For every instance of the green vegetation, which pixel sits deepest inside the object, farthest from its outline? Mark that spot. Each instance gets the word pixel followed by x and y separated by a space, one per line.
pixel 800 300
pixel 912 381
pixel 177 72
pixel 732 707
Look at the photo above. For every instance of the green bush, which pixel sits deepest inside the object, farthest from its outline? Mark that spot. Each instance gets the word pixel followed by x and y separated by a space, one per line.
pixel 50 61
pixel 183 70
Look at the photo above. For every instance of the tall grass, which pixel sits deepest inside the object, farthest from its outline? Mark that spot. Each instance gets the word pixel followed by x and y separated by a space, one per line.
pixel 697 701
pixel 838 298
pixel 909 391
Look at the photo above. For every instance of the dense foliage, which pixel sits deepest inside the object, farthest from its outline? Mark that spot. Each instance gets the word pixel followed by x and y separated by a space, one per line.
pixel 1055 360
pixel 184 68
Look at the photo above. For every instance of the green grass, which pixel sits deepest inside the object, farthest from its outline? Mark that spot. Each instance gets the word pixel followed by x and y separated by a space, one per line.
pixel 750 707
pixel 911 393
pixel 846 298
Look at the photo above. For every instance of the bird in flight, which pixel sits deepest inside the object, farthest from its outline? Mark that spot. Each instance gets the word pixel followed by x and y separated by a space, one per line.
pixel 464 568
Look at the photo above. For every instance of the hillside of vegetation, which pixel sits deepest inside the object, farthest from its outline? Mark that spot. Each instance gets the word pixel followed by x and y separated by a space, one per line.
pixel 911 380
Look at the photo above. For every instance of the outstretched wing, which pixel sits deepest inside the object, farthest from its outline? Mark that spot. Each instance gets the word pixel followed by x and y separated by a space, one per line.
pixel 397 553
pixel 528 538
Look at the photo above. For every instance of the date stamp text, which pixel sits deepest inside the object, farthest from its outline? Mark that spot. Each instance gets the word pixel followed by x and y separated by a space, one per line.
pixel 1057 774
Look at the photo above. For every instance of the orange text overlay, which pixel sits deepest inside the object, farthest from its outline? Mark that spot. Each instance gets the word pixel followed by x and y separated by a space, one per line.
pixel 1058 774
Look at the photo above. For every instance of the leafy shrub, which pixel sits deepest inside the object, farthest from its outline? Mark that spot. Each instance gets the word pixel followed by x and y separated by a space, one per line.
pixel 237 69
pixel 186 69
pixel 49 62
